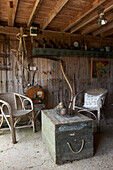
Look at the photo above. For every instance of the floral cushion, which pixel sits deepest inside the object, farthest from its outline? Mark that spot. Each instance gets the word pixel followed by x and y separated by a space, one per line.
pixel 91 101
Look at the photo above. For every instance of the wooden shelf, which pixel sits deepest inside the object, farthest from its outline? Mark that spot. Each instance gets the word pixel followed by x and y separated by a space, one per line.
pixel 42 52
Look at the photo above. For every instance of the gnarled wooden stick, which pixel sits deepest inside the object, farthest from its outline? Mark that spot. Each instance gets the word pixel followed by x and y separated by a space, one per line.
pixel 67 83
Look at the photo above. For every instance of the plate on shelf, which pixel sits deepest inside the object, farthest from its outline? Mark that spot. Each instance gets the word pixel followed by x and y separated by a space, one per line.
pixel 75 44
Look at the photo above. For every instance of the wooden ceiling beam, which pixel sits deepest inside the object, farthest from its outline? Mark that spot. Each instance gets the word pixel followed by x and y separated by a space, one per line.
pixel 14 30
pixel 60 4
pixel 34 12
pixel 107 33
pixel 84 13
pixel 13 4
pixel 92 27
pixel 10 16
pixel 86 21
pixel 89 29
pixel 9 30
pixel 92 17
pixel 103 29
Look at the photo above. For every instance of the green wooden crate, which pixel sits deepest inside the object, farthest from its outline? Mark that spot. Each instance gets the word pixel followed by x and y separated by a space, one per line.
pixel 67 138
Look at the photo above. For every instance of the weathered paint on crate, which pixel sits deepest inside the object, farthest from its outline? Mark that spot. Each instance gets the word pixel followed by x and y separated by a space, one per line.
pixel 65 135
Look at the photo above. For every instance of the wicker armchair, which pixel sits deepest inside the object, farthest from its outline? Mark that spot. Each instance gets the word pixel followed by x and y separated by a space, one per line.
pixel 89 101
pixel 13 107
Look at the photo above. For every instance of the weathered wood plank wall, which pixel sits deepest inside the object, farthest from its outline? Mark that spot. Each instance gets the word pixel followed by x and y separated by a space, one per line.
pixel 48 74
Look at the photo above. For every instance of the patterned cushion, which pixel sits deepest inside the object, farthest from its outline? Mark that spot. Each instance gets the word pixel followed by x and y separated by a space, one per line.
pixel 90 101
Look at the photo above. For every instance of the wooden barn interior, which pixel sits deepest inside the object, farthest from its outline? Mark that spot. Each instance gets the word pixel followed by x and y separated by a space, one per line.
pixel 49 52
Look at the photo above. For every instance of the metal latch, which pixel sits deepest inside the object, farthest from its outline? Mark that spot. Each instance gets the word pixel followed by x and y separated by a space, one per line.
pixel 72 134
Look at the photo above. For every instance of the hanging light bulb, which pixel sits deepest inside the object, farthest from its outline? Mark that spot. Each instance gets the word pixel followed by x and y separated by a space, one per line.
pixel 102 20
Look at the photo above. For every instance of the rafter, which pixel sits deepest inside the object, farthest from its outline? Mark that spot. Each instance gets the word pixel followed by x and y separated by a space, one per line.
pixel 92 17
pixel 34 12
pixel 92 27
pixel 13 4
pixel 89 29
pixel 103 29
pixel 10 4
pixel 107 33
pixel 9 30
pixel 84 13
pixel 86 21
pixel 60 4
pixel 14 30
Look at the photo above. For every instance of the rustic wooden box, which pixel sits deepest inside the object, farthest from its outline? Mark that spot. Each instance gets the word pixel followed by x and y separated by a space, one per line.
pixel 67 138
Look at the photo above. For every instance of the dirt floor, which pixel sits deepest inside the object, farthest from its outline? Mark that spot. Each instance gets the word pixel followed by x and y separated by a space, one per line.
pixel 31 153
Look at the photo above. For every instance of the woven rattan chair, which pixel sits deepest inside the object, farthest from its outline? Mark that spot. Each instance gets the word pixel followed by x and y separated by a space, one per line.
pixel 89 101
pixel 13 107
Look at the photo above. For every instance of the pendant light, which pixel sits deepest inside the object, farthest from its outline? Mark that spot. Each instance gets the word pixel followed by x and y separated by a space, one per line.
pixel 101 20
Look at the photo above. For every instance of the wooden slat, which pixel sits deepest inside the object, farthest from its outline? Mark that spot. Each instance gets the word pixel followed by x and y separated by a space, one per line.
pixel 109 32
pixel 91 17
pixel 54 12
pixel 103 29
pixel 10 3
pixel 12 12
pixel 84 13
pixel 92 27
pixel 9 30
pixel 34 12
pixel 14 30
pixel 89 29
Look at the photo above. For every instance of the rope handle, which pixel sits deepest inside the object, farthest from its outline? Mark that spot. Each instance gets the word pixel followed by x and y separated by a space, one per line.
pixel 81 148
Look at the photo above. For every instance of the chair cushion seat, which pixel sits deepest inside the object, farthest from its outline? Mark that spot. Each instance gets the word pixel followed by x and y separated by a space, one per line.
pixel 21 112
pixel 91 101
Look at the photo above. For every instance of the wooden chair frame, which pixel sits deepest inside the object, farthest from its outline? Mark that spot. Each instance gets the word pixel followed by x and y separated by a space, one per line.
pixel 11 113
pixel 78 101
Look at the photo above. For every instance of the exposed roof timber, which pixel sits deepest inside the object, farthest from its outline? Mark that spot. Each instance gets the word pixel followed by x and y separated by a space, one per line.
pixel 10 16
pixel 78 36
pixel 90 29
pixel 60 4
pixel 14 30
pixel 107 33
pixel 12 12
pixel 34 12
pixel 9 30
pixel 82 14
pixel 92 17
pixel 86 21
pixel 103 29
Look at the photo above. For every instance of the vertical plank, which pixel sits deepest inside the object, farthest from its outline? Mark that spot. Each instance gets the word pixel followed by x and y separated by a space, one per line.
pixel 50 87
pixel 3 70
pixel 44 77
pixel 1 62
pixel 13 46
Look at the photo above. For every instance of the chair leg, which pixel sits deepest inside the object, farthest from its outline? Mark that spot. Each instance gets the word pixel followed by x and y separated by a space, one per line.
pixel 98 121
pixel 13 130
pixel 98 116
pixel 33 121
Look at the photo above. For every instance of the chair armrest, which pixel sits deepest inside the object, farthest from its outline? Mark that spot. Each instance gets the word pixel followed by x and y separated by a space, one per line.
pixel 76 97
pixel 101 100
pixel 4 103
pixel 23 99
pixel 9 112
